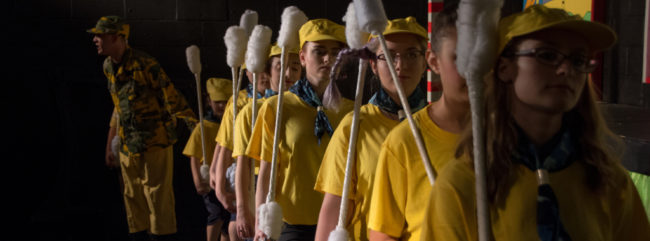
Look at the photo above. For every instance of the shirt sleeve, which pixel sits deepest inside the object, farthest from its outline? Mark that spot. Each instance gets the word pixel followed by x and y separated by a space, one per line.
pixel 387 206
pixel 226 124
pixel 260 146
pixel 173 101
pixel 242 131
pixel 331 174
pixel 451 212
pixel 193 146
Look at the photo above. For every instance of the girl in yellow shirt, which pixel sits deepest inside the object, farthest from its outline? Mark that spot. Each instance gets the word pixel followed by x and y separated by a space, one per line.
pixel 400 178
pixel 551 170
pixel 406 39
pixel 306 127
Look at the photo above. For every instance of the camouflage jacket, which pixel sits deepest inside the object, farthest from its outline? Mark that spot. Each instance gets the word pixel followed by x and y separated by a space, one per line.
pixel 146 101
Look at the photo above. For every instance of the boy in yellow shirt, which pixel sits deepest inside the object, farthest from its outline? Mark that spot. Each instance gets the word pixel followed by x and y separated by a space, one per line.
pixel 246 211
pixel 219 90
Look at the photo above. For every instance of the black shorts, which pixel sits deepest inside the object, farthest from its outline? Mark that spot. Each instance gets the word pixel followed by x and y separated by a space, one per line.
pixel 297 232
pixel 216 211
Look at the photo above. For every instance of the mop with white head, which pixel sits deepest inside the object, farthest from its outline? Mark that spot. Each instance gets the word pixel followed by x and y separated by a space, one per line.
pixel 194 62
pixel 356 40
pixel 372 18
pixel 248 20
pixel 270 213
pixel 259 44
pixel 476 53
pixel 236 39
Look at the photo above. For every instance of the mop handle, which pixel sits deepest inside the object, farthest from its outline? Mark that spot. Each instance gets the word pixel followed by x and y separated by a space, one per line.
pixel 276 135
pixel 254 101
pixel 197 77
pixel 352 146
pixel 475 87
pixel 407 110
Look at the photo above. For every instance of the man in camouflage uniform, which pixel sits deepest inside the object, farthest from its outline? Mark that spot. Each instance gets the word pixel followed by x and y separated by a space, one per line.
pixel 147 105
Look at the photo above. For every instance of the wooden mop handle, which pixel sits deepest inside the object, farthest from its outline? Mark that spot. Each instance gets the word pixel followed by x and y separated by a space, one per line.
pixel 352 146
pixel 254 101
pixel 276 135
pixel 407 110
pixel 197 77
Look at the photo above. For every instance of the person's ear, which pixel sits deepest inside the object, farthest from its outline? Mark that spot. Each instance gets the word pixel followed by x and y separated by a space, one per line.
pixel 433 61
pixel 373 66
pixel 506 69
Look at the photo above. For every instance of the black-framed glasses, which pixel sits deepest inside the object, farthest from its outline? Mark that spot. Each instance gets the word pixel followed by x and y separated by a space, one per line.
pixel 553 57
pixel 409 56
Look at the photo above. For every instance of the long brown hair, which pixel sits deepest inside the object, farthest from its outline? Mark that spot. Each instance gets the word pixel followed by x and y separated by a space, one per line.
pixel 596 145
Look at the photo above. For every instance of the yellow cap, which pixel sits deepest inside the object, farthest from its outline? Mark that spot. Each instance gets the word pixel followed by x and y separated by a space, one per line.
pixel 405 25
pixel 276 50
pixel 539 17
pixel 321 29
pixel 219 89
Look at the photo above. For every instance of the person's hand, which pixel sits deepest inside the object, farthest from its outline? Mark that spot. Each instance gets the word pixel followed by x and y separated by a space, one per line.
pixel 202 188
pixel 260 236
pixel 110 159
pixel 245 220
pixel 227 199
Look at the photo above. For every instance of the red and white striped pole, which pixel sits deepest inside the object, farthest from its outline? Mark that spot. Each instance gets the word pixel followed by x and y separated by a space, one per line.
pixel 434 6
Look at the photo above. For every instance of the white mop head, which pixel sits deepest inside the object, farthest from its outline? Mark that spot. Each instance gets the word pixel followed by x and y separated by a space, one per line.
pixel 353 34
pixel 339 234
pixel 371 15
pixel 258 48
pixel 235 39
pixel 248 20
pixel 270 219
pixel 477 35
pixel 292 20
pixel 193 59
pixel 205 172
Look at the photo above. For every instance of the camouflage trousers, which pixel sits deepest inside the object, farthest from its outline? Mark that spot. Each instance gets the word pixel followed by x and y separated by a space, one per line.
pixel 148 191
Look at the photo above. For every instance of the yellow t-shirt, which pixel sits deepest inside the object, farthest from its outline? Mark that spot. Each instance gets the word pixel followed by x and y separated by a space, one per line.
pixel 401 184
pixel 193 146
pixel 614 215
pixel 299 155
pixel 243 131
pixel 373 129
pixel 225 134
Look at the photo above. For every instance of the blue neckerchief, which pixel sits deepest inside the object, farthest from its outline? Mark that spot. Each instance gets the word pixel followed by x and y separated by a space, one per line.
pixel 249 91
pixel 303 89
pixel 269 92
pixel 557 156
pixel 210 117
pixel 381 99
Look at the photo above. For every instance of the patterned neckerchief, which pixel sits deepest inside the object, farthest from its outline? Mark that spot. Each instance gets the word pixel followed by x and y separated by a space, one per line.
pixel 249 91
pixel 382 100
pixel 303 89
pixel 269 92
pixel 210 117
pixel 553 156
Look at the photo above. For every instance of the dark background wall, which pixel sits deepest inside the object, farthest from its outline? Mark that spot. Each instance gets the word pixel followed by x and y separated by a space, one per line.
pixel 57 107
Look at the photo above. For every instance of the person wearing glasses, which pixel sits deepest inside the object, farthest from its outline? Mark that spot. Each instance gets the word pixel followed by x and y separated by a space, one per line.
pixel 552 169
pixel 407 42
pixel 401 184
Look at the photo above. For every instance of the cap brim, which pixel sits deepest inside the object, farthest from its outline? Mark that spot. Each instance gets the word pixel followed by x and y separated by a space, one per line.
pixel 598 36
